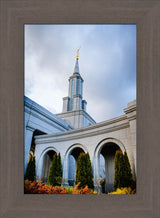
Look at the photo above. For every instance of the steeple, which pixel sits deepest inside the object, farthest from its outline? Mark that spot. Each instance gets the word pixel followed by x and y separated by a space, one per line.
pixel 76 68
pixel 74 106
pixel 75 101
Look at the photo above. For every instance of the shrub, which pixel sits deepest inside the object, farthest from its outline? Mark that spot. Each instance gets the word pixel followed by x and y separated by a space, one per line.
pixel 31 171
pixel 52 172
pixel 127 175
pixel 84 190
pixel 117 166
pixel 123 175
pixel 84 174
pixel 123 191
pixel 55 172
pixel 59 170
pixel 69 190
pixel 41 188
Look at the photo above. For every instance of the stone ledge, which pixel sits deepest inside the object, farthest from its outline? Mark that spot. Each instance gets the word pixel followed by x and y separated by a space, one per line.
pixel 64 137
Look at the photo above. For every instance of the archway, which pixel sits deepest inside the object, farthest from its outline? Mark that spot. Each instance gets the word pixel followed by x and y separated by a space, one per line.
pixel 33 145
pixel 104 160
pixel 70 162
pixel 73 157
pixel 108 152
pixel 48 157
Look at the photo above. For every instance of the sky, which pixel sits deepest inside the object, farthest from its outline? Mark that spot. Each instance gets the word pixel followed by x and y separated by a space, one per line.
pixel 107 63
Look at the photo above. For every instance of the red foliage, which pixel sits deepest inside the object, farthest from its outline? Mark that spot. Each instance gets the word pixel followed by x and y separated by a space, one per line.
pixel 40 188
pixel 84 190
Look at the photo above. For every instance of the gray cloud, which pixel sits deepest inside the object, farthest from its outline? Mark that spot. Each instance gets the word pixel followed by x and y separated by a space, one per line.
pixel 107 64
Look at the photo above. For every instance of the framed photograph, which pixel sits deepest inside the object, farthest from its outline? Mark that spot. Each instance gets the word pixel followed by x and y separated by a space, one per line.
pixel 66 150
pixel 143 153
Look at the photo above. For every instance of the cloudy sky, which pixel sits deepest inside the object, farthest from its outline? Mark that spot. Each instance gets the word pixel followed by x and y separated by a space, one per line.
pixel 107 62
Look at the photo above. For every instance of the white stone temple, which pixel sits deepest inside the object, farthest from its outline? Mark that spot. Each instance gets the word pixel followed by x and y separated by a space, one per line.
pixel 74 131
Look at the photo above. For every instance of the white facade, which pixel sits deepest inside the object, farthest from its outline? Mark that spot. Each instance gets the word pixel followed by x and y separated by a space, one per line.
pixel 119 131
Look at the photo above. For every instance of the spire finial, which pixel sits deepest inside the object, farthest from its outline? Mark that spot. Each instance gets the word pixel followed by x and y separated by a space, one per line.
pixel 77 55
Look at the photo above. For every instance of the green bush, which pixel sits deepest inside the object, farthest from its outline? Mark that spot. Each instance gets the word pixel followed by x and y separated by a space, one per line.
pixel 59 170
pixel 31 171
pixel 84 171
pixel 55 172
pixel 117 169
pixel 123 175
pixel 127 174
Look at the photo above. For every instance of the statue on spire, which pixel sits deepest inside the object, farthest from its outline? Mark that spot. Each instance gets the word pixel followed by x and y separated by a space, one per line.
pixel 77 55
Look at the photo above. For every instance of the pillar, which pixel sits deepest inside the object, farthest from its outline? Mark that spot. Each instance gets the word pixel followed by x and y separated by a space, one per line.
pixel 65 171
pixel 131 149
pixel 27 145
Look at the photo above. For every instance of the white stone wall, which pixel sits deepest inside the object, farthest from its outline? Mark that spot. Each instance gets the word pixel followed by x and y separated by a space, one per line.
pixel 120 130
pixel 89 143
pixel 131 150
pixel 77 118
pixel 38 118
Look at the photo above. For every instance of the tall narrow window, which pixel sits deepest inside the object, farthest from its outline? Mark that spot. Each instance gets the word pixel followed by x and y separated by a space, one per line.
pixel 72 87
pixel 77 86
pixel 81 92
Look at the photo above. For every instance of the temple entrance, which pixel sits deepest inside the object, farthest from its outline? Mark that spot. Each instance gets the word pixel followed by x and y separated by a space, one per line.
pixel 73 157
pixel 48 157
pixel 106 164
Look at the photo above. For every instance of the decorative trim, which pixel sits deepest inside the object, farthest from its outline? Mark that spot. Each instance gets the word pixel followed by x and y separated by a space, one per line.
pixel 54 138
pixel 37 108
pixel 46 120
pixel 91 127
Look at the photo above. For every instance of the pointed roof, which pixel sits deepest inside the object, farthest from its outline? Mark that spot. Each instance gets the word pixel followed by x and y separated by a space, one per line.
pixel 76 68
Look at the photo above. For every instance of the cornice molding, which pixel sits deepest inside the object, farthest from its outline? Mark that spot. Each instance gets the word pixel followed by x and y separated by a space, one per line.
pixel 129 109
pixel 51 139
pixel 32 106
pixel 45 120
pixel 90 128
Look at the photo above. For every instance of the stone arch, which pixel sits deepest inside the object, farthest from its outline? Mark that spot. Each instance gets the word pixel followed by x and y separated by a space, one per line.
pixel 73 150
pixel 29 143
pixel 40 162
pixel 36 132
pixel 107 148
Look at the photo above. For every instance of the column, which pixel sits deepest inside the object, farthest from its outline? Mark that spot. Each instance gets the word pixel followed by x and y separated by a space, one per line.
pixel 27 145
pixel 65 171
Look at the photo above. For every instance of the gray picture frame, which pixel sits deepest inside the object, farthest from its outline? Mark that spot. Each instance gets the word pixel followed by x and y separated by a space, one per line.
pixel 13 15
